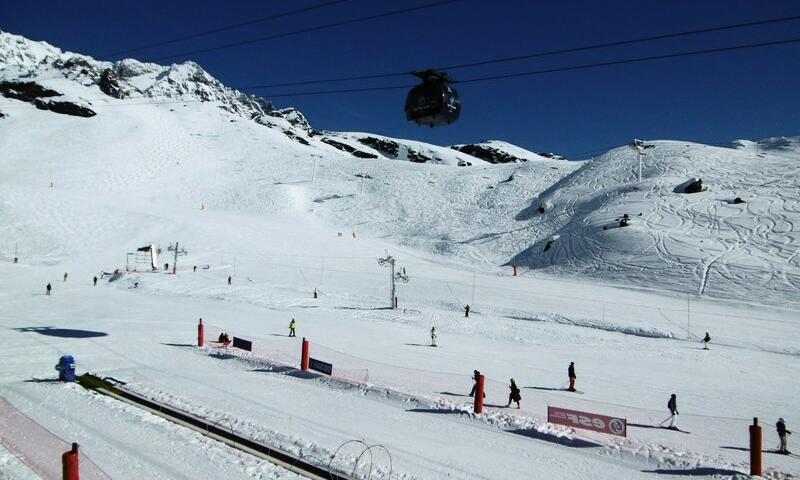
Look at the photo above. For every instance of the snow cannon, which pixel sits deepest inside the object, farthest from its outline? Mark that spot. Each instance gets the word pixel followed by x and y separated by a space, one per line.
pixel 66 368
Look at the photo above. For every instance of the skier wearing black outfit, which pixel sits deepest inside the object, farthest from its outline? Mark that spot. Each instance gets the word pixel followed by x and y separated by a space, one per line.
pixel 475 375
pixel 514 396
pixel 572 377
pixel 782 432
pixel 706 340
pixel 672 405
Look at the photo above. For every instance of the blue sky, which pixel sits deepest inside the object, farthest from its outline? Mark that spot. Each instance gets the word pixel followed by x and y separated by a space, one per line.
pixel 712 98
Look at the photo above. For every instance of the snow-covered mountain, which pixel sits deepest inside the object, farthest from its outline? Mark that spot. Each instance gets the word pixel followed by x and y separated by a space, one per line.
pixel 532 210
pixel 25 60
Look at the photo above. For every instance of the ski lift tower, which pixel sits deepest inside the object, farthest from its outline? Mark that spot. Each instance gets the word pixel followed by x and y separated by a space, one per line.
pixel 389 261
pixel 177 251
pixel 640 146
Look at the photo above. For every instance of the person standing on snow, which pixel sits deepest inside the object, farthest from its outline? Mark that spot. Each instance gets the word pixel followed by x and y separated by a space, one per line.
pixel 49 288
pixel 706 339
pixel 672 405
pixel 433 336
pixel 229 279
pixel 514 395
pixel 292 326
pixel 95 280
pixel 466 311
pixel 475 375
pixel 572 377
pixel 65 276
pixel 782 432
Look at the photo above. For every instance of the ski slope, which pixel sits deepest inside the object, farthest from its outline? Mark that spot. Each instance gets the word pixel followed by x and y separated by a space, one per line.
pixel 247 200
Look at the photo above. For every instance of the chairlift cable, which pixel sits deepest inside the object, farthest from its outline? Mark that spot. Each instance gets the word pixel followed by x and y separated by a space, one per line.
pixel 223 29
pixel 554 70
pixel 534 55
pixel 308 30
pixel 630 60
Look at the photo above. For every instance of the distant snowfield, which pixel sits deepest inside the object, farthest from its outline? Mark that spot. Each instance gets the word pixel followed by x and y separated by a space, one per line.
pixel 248 201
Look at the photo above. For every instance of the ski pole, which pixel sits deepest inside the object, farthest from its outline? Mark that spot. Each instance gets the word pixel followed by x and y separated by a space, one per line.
pixel 664 421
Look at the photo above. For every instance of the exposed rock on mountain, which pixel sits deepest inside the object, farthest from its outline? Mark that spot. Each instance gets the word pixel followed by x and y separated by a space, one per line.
pixel 25 91
pixel 496 151
pixel 66 108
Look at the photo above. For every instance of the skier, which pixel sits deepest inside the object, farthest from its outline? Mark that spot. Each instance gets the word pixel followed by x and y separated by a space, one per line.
pixel 315 293
pixel 475 375
pixel 433 336
pixel 292 326
pixel 49 288
pixel 514 395
pixel 166 266
pixel 706 339
pixel 65 276
pixel 466 311
pixel 782 432
pixel 672 405
pixel 194 268
pixel 94 279
pixel 229 279
pixel 572 377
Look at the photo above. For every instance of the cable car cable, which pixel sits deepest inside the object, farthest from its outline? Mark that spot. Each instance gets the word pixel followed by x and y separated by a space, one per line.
pixel 307 30
pixel 223 29
pixel 554 70
pixel 631 60
pixel 534 55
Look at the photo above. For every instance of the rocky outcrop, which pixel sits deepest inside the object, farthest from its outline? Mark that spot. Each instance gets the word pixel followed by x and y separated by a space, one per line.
pixel 293 116
pixel 551 155
pixel 387 148
pixel 111 85
pixel 347 148
pixel 65 108
pixel 25 91
pixel 295 137
pixel 487 153
pixel 498 151
pixel 417 157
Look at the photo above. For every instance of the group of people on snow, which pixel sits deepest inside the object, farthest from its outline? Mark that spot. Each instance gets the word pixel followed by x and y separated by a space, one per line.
pixel 48 289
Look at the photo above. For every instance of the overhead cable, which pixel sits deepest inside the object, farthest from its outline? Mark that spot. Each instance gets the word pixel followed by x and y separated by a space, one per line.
pixel 535 55
pixel 307 30
pixel 222 29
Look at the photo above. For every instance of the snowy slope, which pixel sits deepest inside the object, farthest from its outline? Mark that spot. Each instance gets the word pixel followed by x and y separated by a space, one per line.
pixel 249 200
pixel 781 146
pixel 702 243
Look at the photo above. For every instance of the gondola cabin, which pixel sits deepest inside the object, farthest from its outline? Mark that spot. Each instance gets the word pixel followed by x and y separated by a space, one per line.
pixel 433 102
